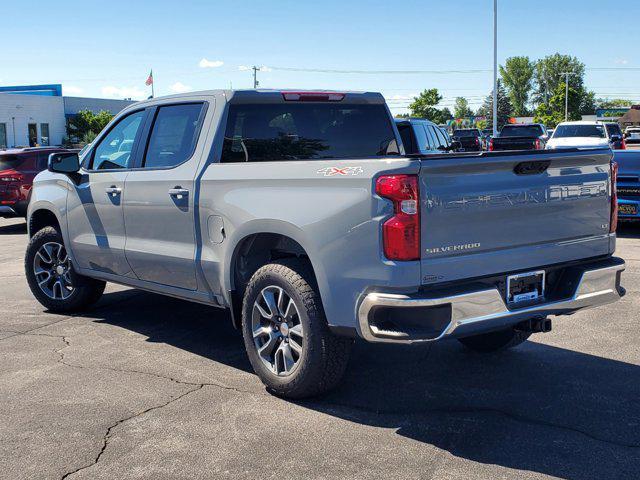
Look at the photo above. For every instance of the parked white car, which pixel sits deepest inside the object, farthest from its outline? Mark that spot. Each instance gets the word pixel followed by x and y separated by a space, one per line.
pixel 579 134
pixel 632 134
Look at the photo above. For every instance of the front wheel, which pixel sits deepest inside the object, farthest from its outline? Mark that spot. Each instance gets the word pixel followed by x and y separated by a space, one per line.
pixel 286 335
pixel 51 276
pixel 495 341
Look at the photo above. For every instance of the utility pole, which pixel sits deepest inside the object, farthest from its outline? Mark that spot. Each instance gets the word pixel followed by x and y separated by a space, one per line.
pixel 255 76
pixel 566 95
pixel 495 68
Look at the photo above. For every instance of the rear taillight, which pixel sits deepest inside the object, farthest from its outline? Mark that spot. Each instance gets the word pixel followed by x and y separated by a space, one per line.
pixel 623 145
pixel 10 176
pixel 401 233
pixel 491 144
pixel 313 96
pixel 538 144
pixel 613 221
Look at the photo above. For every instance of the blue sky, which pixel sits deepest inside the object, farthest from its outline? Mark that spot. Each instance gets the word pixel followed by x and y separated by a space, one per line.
pixel 106 48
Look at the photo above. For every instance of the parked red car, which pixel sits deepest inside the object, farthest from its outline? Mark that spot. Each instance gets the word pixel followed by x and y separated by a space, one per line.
pixel 18 168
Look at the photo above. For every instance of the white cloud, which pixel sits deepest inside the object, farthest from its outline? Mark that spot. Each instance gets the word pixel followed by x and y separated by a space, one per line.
pixel 180 87
pixel 72 90
pixel 124 92
pixel 204 63
pixel 243 68
pixel 264 68
pixel 621 61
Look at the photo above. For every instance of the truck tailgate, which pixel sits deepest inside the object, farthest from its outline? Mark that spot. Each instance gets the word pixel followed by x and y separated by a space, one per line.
pixel 497 213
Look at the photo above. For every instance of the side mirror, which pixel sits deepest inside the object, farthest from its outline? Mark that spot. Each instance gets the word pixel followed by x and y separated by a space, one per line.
pixel 64 162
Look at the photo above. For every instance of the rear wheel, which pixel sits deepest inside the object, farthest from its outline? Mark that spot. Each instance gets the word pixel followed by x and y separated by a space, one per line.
pixel 51 276
pixel 495 341
pixel 286 335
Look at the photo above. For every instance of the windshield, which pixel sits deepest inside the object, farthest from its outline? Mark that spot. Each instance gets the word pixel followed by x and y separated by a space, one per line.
pixel 466 133
pixel 306 131
pixel 592 131
pixel 528 131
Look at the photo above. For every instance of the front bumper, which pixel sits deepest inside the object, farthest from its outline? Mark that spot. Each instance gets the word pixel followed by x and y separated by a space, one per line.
pixel 475 312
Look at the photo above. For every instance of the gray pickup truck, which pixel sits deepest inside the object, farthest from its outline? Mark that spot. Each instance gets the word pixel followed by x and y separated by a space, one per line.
pixel 301 214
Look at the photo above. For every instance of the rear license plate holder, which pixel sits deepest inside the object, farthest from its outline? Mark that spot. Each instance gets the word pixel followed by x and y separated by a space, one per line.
pixel 525 287
pixel 627 209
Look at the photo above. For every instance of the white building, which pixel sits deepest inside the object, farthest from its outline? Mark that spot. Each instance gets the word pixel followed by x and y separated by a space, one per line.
pixel 37 114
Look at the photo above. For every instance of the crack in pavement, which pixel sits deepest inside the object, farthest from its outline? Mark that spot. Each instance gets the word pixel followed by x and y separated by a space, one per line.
pixel 378 412
pixel 107 436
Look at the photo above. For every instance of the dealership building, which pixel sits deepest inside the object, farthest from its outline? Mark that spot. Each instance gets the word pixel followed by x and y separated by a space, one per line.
pixel 32 115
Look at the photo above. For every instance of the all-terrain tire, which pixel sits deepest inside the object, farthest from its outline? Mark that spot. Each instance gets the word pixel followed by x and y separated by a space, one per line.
pixel 86 291
pixel 324 356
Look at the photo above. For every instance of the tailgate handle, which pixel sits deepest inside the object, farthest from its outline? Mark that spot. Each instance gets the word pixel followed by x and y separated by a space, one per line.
pixel 532 168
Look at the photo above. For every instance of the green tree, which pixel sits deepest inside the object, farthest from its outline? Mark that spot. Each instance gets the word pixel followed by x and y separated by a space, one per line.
pixel 461 108
pixel 86 124
pixel 553 112
pixel 549 74
pixel 517 76
pixel 424 105
pixel 505 109
pixel 445 114
pixel 613 102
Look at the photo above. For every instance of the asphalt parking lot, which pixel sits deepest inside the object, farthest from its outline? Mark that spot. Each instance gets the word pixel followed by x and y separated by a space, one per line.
pixel 144 386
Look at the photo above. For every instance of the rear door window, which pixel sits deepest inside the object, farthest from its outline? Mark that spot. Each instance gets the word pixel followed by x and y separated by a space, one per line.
pixel 307 131
pixel 431 135
pixel 441 141
pixel 407 140
pixel 421 136
pixel 174 135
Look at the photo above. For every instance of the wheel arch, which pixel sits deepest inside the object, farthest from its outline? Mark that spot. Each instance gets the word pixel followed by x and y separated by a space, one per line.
pixel 254 250
pixel 40 217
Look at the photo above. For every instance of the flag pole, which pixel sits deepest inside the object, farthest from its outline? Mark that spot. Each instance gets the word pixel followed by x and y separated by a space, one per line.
pixel 153 95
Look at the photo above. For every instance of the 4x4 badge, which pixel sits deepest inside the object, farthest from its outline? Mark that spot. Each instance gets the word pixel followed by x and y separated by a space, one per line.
pixel 331 171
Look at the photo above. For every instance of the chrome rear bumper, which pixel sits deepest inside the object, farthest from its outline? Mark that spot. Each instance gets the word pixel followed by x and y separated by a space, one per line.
pixel 485 310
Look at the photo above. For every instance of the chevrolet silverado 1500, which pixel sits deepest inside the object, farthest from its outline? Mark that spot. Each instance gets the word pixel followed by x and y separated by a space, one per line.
pixel 301 213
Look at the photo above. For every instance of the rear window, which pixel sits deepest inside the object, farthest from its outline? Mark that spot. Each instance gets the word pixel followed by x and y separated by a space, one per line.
pixel 565 131
pixel 307 131
pixel 10 161
pixel 466 133
pixel 614 129
pixel 528 131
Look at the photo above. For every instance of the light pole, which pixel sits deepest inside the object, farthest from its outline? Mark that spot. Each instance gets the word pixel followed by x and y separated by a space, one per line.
pixel 566 95
pixel 495 68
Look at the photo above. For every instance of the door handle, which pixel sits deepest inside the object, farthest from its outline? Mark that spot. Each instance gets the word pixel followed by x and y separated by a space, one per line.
pixel 179 192
pixel 113 191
